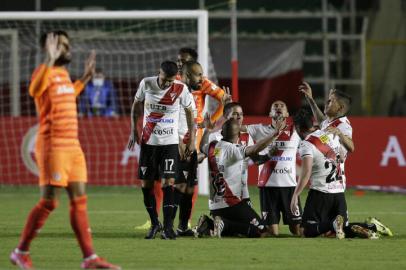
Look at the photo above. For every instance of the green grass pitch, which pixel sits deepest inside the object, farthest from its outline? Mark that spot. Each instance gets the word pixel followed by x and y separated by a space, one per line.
pixel 114 211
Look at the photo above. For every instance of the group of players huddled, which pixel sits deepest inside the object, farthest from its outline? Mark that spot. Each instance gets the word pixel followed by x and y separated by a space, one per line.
pixel 176 137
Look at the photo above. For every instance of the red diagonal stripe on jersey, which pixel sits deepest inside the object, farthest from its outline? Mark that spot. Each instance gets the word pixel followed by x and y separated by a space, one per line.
pixel 168 99
pixel 270 165
pixel 229 197
pixel 243 139
pixel 335 123
pixel 326 150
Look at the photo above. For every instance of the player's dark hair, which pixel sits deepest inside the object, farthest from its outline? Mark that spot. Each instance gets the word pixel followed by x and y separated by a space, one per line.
pixel 229 106
pixel 43 38
pixel 98 70
pixel 170 68
pixel 344 99
pixel 303 119
pixel 190 51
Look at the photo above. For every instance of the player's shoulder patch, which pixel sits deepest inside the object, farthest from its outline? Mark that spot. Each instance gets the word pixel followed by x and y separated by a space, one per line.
pixel 324 138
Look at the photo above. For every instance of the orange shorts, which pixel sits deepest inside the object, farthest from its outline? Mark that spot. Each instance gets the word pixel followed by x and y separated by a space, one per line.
pixel 59 167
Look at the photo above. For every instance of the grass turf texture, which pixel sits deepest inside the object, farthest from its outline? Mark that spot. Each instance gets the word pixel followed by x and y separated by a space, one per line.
pixel 114 211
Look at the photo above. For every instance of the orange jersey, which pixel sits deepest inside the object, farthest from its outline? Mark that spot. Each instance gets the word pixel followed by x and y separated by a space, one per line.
pixel 55 101
pixel 211 89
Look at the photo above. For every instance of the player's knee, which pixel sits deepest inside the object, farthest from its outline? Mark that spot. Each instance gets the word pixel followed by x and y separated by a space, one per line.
pixel 50 205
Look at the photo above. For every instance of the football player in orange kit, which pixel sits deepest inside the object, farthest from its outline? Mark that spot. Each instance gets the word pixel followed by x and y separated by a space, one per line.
pixel 59 156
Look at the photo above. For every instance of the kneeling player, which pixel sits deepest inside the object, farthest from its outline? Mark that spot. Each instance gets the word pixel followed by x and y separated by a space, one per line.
pixel 326 208
pixel 232 214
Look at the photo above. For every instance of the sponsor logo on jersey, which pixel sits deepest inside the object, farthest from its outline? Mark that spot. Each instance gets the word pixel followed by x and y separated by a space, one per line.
pixel 164 131
pixel 63 89
pixel 324 138
pixel 277 158
pixel 173 96
pixel 160 120
pixel 282 170
pixel 157 107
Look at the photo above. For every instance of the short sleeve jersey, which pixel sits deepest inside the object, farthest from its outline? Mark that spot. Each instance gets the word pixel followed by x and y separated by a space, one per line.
pixel 280 170
pixel 326 172
pixel 161 110
pixel 344 125
pixel 244 140
pixel 226 163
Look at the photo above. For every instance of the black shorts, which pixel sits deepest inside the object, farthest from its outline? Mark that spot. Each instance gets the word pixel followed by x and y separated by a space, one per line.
pixel 158 161
pixel 276 200
pixel 187 171
pixel 324 207
pixel 241 212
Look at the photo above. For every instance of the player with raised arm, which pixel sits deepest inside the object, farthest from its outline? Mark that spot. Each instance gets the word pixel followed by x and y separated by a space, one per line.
pixel 232 214
pixel 335 121
pixel 60 159
pixel 326 208
pixel 232 110
pixel 277 177
pixel 163 97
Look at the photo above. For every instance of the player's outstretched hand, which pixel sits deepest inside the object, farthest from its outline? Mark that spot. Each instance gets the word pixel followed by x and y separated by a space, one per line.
pixel 227 98
pixel 279 124
pixel 90 65
pixel 306 90
pixel 190 148
pixel 53 48
pixel 207 123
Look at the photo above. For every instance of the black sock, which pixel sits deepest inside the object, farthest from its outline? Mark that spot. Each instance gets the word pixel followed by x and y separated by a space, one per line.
pixel 316 229
pixel 185 209
pixel 167 206
pixel 177 197
pixel 150 204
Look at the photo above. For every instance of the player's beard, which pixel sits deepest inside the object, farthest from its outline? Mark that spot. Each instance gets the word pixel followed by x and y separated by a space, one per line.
pixel 62 60
pixel 195 86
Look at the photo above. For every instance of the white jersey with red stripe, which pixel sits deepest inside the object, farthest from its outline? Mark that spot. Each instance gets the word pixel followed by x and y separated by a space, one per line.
pixel 324 148
pixel 227 173
pixel 161 110
pixel 344 125
pixel 183 128
pixel 244 140
pixel 280 170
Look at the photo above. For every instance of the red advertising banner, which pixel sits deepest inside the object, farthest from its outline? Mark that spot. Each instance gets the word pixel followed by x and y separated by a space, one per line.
pixel 379 157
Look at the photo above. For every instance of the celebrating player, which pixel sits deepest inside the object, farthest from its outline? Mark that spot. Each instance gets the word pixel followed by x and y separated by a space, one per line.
pixel 326 208
pixel 277 177
pixel 232 214
pixel 60 159
pixel 334 121
pixel 163 97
